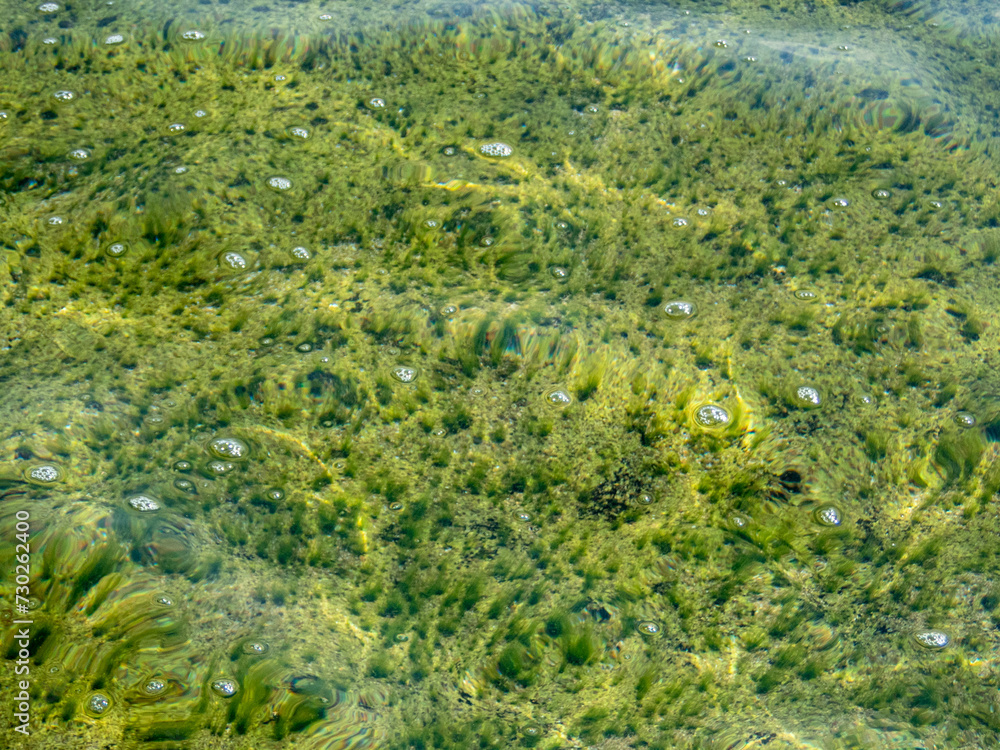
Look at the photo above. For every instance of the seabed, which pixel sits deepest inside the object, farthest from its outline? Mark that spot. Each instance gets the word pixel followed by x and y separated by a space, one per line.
pixel 454 375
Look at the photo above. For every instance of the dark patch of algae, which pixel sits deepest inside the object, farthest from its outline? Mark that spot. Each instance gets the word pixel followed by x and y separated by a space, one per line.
pixel 675 427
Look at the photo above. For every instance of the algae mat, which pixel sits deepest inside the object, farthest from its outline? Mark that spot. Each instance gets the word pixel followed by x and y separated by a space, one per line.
pixel 490 375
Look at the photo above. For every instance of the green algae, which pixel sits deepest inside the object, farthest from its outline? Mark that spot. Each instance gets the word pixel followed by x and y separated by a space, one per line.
pixel 454 557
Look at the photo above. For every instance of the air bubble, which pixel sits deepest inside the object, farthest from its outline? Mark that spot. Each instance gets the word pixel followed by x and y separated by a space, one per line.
pixel 558 397
pixel 225 688
pixel 276 494
pixel 325 17
pixel 395 506
pixel 828 515
pixel 806 395
pixel 98 704
pixel 176 127
pixel 298 132
pixel 64 95
pixel 965 419
pixel 840 202
pixel 144 503
pixel 522 516
pixel 184 485
pixel 933 639
pixel 559 272
pixel 881 194
pixel 218 468
pixel 193 35
pixel 739 521
pixel 162 600
pixel 402 637
pixel 79 154
pixel 376 103
pixel 648 627
pixel 711 415
pixel 304 347
pixel 116 249
pixel 228 447
pixel 114 39
pixel 255 648
pixel 496 149
pixel 50 40
pixel 449 150
pixel 645 500
pixel 233 261
pixel 805 295
pixel 404 374
pixel 722 43
pixel 182 465
pixel 680 310
pixel 449 310
pixel 54 221
pixel 200 113
pixel 180 170
pixel 279 183
pixel 154 686
pixel 48 7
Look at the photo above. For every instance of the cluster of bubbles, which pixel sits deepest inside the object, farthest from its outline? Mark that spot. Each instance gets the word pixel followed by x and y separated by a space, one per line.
pixel 376 103
pixel 881 194
pixel 298 132
pixel 559 272
pixel 840 202
pixel 176 127
pixel 496 149
pixel 300 253
pixel 404 374
pixel 63 95
pixel 193 35
pixel 98 704
pixel 116 249
pixel 934 639
pixel 79 154
pixel 48 7
pixel 144 503
pixel 233 261
pixel 828 515
pixel 279 183
pixel 43 474
pixel 114 39
pixel 805 295
pixel 806 395
pixel 228 447
pixel 679 222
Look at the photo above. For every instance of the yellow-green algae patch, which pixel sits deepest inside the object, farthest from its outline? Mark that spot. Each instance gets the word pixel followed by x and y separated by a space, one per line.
pixel 634 389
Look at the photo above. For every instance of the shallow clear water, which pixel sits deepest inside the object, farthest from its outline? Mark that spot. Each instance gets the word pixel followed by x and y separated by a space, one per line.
pixel 492 375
